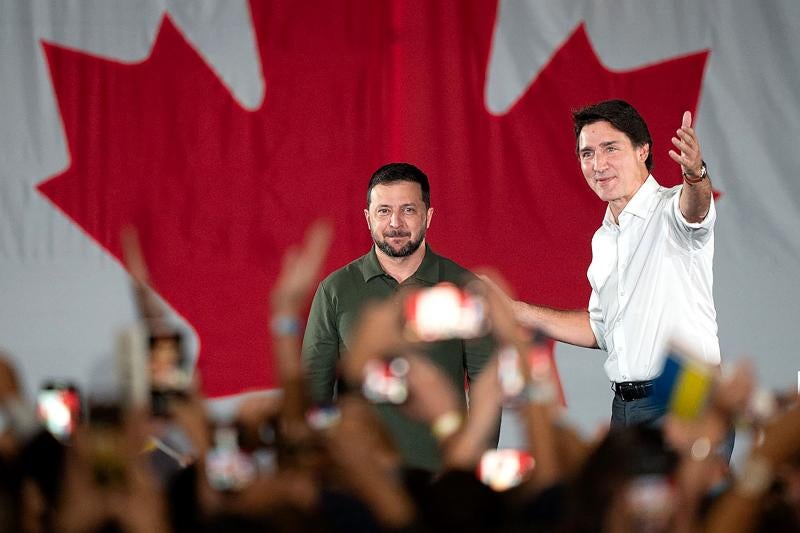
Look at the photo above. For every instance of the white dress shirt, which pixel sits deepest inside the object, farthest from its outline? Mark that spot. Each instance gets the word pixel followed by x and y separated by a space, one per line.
pixel 651 279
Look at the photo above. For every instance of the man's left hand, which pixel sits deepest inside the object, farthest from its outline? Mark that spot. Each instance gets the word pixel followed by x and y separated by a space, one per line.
pixel 690 158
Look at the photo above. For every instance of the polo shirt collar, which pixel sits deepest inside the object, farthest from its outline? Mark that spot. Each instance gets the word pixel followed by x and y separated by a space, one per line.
pixel 641 203
pixel 428 270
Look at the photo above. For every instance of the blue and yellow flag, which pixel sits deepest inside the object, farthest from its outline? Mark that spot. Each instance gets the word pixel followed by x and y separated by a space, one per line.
pixel 684 385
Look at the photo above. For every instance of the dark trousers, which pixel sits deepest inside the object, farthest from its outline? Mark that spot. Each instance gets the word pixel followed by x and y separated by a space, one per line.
pixel 648 412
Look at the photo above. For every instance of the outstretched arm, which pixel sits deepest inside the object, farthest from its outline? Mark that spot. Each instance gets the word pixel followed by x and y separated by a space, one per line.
pixel 695 198
pixel 570 326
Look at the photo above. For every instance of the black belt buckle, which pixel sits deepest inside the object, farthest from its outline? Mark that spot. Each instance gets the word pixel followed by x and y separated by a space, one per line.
pixel 633 390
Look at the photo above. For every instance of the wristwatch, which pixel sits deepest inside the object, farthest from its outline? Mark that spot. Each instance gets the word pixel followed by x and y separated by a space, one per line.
pixel 703 174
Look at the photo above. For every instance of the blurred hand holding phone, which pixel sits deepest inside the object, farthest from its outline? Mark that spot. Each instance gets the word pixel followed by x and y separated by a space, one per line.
pixel 511 375
pixel 169 377
pixel 228 468
pixel 153 347
pixel 118 394
pixel 445 311
pixel 541 383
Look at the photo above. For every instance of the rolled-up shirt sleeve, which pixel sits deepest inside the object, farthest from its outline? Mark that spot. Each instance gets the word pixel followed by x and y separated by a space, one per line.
pixel 692 235
pixel 596 320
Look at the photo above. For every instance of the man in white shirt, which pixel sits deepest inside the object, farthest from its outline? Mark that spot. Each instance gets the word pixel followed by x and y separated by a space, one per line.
pixel 651 270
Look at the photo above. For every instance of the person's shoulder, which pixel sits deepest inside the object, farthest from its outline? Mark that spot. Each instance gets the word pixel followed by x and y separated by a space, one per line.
pixel 664 197
pixel 667 204
pixel 664 192
pixel 605 226
pixel 670 192
pixel 452 270
pixel 349 272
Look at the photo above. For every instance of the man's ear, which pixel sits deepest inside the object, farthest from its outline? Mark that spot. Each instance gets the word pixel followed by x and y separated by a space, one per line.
pixel 643 151
pixel 430 216
pixel 366 215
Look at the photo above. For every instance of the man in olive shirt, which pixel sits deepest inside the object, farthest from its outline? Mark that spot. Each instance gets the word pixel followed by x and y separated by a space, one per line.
pixel 398 214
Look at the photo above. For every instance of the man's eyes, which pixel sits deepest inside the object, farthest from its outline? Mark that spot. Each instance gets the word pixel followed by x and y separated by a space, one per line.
pixel 588 154
pixel 384 211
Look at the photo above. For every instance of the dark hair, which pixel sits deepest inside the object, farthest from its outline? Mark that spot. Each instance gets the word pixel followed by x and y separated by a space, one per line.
pixel 624 454
pixel 620 114
pixel 401 172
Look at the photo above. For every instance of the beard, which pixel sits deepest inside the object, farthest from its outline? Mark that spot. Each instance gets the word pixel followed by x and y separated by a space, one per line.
pixel 408 248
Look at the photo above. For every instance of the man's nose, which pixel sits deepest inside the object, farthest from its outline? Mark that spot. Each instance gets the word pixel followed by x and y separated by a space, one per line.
pixel 396 220
pixel 600 162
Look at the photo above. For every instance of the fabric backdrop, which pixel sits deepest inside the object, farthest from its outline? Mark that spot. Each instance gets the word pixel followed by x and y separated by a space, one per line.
pixel 220 129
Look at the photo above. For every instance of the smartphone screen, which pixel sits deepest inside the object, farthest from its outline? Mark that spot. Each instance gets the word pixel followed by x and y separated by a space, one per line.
pixel 511 373
pixel 505 468
pixel 170 380
pixel 445 311
pixel 385 381
pixel 58 408
pixel 228 468
pixel 510 376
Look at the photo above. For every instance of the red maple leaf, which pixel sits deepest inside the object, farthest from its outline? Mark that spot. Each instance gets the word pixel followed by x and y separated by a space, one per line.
pixel 218 191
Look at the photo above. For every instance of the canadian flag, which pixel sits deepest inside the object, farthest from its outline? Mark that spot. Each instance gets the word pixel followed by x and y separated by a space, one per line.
pixel 221 129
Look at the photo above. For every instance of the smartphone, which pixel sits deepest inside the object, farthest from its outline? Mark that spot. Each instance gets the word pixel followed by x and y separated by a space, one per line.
pixel 445 311
pixel 169 377
pixel 510 376
pixel 386 380
pixel 228 468
pixel 506 468
pixel 58 408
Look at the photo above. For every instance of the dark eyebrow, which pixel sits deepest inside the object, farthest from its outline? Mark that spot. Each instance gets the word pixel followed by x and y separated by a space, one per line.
pixel 604 144
pixel 401 205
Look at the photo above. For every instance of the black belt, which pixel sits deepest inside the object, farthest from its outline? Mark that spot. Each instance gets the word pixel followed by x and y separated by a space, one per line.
pixel 633 390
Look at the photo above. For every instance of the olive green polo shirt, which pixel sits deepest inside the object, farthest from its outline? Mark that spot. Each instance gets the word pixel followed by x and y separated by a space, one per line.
pixel 337 303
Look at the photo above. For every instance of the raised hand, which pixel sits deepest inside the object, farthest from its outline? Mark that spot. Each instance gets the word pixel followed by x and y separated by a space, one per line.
pixel 690 158
pixel 301 268
pixel 133 257
pixel 695 200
